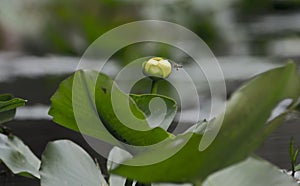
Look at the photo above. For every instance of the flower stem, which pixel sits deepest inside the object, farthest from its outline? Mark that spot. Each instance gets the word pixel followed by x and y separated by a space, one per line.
pixel 154 86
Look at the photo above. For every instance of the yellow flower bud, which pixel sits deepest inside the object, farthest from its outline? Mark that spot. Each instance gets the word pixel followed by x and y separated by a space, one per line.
pixel 157 67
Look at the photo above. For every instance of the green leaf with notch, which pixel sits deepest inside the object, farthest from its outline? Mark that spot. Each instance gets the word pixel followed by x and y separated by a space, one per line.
pixel 243 130
pixel 91 103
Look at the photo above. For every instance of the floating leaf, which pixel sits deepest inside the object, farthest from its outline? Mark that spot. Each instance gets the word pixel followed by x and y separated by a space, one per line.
pixel 250 172
pixel 18 157
pixel 66 164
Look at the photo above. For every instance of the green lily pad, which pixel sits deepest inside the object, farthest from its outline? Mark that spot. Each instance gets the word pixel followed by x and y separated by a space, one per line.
pixel 66 164
pixel 250 172
pixel 242 131
pixel 18 157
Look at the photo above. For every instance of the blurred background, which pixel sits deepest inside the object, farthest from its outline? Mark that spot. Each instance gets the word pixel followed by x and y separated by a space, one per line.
pixel 41 43
pixel 230 27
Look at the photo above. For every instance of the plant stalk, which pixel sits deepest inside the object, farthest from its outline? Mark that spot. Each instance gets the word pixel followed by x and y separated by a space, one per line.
pixel 154 86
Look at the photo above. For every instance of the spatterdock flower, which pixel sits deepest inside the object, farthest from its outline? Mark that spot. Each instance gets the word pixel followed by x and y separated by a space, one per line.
pixel 157 67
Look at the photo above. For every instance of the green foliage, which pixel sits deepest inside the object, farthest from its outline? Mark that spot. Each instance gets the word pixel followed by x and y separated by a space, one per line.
pixel 97 111
pixel 70 26
pixel 13 152
pixel 18 157
pixel 8 105
pixel 66 164
pixel 293 157
pixel 243 130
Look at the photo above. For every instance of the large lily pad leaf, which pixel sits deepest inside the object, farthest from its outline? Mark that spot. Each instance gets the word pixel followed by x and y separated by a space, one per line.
pixel 250 172
pixel 8 105
pixel 66 164
pixel 91 103
pixel 18 157
pixel 243 130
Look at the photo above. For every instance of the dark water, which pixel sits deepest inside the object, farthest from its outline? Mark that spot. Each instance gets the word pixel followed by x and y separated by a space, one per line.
pixel 276 147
